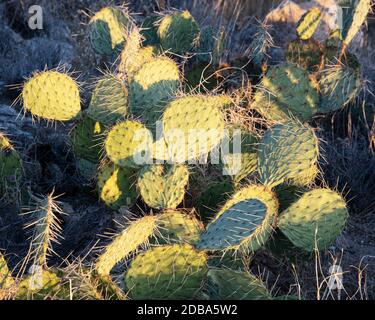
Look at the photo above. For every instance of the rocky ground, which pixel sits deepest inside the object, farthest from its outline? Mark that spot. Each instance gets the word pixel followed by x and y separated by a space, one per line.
pixel 349 140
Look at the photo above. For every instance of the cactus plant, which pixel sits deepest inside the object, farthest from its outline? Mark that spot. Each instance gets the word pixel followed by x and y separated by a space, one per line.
pixel 307 54
pixel 6 279
pixel 314 220
pixel 109 100
pixel 178 32
pixel 167 272
pixel 163 187
pixel 128 144
pixel 308 23
pixel 149 31
pixel 288 152
pixel 286 91
pixel 108 30
pixel 116 186
pixel 245 221
pixel 52 95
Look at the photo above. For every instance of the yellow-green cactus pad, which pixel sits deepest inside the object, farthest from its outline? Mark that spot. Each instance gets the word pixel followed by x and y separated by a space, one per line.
pixel 307 54
pixel 315 220
pixel 87 139
pixel 117 186
pixel 6 279
pixel 136 234
pixel 128 144
pixel 245 221
pixel 52 95
pixel 176 226
pixel 109 101
pixel 287 91
pixel 178 32
pixel 10 165
pixel 152 87
pixel 288 151
pixel 226 284
pixel 109 29
pixel 308 23
pixel 193 126
pixel 167 272
pixel 163 187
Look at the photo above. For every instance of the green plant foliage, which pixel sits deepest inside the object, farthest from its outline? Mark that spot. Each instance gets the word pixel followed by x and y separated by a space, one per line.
pixel 307 54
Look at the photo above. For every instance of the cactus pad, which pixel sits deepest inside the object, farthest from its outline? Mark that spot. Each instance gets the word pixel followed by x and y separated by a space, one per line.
pixel 307 54
pixel 287 91
pixel 308 23
pixel 149 31
pixel 287 152
pixel 86 169
pixel 137 233
pixel 152 87
pixel 193 126
pixel 109 101
pixel 245 221
pixel 128 144
pixel 10 165
pixel 117 186
pixel 226 284
pixel 167 272
pixel 178 32
pixel 315 220
pixel 108 30
pixel 52 95
pixel 178 227
pixel 163 187
pixel 6 280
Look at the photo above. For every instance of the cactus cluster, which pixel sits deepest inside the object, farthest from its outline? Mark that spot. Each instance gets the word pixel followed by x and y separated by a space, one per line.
pixel 139 142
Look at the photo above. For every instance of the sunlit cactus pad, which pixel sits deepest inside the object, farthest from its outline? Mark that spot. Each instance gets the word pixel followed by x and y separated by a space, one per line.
pixel 245 221
pixel 167 272
pixel 315 220
pixel 52 95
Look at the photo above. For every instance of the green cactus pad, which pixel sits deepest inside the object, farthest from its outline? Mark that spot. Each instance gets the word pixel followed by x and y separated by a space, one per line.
pixel 288 194
pixel 339 86
pixel 193 126
pixel 6 279
pixel 109 101
pixel 178 227
pixel 163 187
pixel 137 233
pixel 308 23
pixel 87 139
pixel 307 54
pixel 108 30
pixel 245 221
pixel 167 272
pixel 286 91
pixel 288 152
pixel 226 284
pixel 315 220
pixel 178 32
pixel 117 186
pixel 52 95
pixel 152 87
pixel 86 168
pixel 149 31
pixel 128 144
pixel 10 165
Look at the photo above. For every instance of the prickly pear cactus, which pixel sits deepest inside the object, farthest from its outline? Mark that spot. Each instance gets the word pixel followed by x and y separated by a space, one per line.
pixel 116 186
pixel 109 101
pixel 108 30
pixel 192 127
pixel 315 220
pixel 6 279
pixel 128 144
pixel 308 23
pixel 10 166
pixel 287 91
pixel 86 169
pixel 52 95
pixel 175 226
pixel 226 284
pixel 307 54
pixel 167 272
pixel 149 31
pixel 245 222
pixel 136 234
pixel 178 32
pixel 163 187
pixel 288 152
pixel 87 139
pixel 152 87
